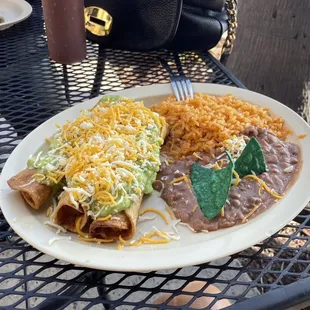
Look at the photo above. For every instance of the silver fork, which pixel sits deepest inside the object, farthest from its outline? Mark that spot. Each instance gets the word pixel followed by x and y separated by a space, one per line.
pixel 181 84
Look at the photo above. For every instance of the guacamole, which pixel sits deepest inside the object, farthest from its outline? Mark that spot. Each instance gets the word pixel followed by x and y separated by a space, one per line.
pixel 108 157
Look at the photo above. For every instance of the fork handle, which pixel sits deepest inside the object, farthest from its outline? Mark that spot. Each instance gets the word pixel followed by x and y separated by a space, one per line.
pixel 166 66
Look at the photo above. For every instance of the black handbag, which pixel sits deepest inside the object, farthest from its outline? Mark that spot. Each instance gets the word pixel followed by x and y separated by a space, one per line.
pixel 143 25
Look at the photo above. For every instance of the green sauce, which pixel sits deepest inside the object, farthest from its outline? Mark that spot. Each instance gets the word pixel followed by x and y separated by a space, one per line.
pixel 144 172
pixel 45 163
pixel 145 177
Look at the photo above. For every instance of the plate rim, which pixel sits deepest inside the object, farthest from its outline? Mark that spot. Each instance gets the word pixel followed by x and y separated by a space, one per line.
pixel 26 12
pixel 130 254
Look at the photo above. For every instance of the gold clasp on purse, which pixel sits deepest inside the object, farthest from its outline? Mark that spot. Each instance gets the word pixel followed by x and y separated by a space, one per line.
pixel 98 21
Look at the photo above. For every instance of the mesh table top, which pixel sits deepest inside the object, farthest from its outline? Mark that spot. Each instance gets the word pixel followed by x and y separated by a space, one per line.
pixel 32 89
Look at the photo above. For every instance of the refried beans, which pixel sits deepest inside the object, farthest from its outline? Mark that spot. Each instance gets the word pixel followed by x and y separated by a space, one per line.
pixel 283 164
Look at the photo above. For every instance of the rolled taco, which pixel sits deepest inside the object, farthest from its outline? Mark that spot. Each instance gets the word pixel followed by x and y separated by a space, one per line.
pixel 66 214
pixel 104 161
pixel 34 193
pixel 124 223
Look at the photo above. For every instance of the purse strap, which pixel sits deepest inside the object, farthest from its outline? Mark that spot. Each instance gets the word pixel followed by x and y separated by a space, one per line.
pixel 231 8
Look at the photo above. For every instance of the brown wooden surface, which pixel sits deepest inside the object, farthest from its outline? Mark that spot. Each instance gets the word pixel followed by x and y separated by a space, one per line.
pixel 272 50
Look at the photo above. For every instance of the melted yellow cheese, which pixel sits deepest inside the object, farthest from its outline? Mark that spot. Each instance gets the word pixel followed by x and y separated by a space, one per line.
pixel 162 215
pixel 262 183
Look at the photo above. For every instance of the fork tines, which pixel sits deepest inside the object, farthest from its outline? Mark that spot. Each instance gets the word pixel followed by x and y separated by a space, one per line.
pixel 182 87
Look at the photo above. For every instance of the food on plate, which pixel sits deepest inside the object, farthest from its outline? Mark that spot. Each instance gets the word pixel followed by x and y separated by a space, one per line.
pixel 34 193
pixel 224 161
pixel 66 213
pixel 123 224
pixel 1 18
pixel 202 124
pixel 97 169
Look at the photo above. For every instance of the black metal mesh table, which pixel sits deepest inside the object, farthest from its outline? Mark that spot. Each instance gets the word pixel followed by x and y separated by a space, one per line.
pixel 272 274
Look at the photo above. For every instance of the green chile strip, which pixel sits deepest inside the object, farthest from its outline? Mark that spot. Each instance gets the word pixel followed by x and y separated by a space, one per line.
pixel 212 187
pixel 251 160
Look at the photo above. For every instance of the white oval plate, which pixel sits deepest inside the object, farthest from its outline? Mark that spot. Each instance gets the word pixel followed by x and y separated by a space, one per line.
pixel 192 248
pixel 13 12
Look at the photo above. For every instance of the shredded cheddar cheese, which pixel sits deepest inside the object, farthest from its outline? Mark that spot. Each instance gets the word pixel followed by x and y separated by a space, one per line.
pixel 249 214
pixel 302 136
pixel 164 237
pixel 197 156
pixel 39 177
pixel 181 179
pixel 97 240
pixel 168 209
pixel 216 166
pixel 222 212
pixel 147 238
pixel 130 243
pixel 105 155
pixel 152 241
pixel 195 208
pixel 266 188
pixel 103 219
pixel 237 178
pixel 163 216
pixel 176 180
pixel 52 179
pixel 78 227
